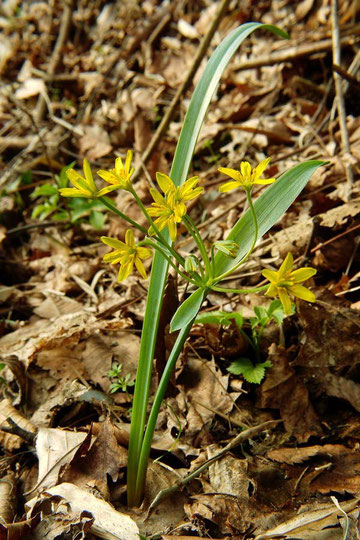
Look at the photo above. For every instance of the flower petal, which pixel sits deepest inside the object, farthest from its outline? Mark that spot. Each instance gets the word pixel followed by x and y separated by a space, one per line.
pixel 119 167
pixel 302 274
pixel 143 252
pixel 73 192
pixel 302 292
pixel 264 181
pixel 113 257
pixel 108 176
pixel 88 175
pixel 232 173
pixel 228 186
pixel 259 169
pixel 286 265
pixel 140 267
pixel 245 169
pixel 158 198
pixel 125 271
pixel 172 229
pixel 271 275
pixel 77 180
pixel 129 156
pixel 285 300
pixel 113 242
pixel 129 239
pixel 165 182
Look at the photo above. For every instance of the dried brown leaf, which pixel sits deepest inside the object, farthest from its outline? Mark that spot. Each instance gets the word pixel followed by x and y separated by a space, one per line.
pixel 298 455
pixel 283 390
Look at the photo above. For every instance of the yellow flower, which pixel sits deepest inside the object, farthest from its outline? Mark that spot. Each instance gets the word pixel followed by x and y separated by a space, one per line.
pixel 84 185
pixel 127 254
pixel 246 177
pixel 120 177
pixel 286 281
pixel 171 209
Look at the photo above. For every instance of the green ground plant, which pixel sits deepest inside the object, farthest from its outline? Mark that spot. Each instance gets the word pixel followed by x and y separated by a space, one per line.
pixel 202 270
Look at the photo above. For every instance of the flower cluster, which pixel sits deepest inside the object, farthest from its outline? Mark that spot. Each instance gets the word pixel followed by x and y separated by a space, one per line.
pixel 170 208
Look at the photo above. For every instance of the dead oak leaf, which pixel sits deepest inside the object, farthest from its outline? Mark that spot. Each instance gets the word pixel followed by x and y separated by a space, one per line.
pixel 283 390
pixel 91 467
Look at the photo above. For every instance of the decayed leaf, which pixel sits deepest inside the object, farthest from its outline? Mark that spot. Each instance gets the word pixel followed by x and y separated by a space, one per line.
pixel 55 448
pixel 283 390
pixel 68 502
pixel 298 455
pixel 8 497
pixel 311 524
pixel 92 467
pixel 342 388
pixel 229 476
pixel 9 441
pixel 332 336
pixel 342 477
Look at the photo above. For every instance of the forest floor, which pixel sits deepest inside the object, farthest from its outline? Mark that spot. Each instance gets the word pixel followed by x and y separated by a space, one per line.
pixel 92 80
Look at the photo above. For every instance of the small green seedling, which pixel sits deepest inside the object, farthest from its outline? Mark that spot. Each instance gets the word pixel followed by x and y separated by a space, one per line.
pixel 122 383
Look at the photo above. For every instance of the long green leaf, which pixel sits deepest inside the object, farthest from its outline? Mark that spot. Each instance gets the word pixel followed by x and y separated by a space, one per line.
pixel 187 310
pixel 183 155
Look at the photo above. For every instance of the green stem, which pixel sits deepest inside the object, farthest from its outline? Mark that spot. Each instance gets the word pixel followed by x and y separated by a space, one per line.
pixel 176 268
pixel 113 208
pixel 191 227
pixel 256 232
pixel 159 396
pixel 239 291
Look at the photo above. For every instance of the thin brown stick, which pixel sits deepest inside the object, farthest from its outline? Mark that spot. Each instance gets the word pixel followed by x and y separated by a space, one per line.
pixel 242 437
pixel 182 89
pixel 56 55
pixel 292 53
pixel 340 102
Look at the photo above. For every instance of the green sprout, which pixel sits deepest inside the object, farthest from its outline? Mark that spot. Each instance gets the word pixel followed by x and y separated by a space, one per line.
pixel 122 383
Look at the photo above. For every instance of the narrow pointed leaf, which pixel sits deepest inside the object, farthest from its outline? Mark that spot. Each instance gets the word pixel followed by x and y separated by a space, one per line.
pixel 187 310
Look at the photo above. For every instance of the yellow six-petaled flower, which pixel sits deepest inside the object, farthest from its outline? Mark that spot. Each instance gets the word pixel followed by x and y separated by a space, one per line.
pixel 84 185
pixel 287 281
pixel 170 209
pixel 120 176
pixel 127 254
pixel 246 177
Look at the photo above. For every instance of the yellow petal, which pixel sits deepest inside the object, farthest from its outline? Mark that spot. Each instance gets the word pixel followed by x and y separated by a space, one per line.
pixel 285 300
pixel 108 176
pixel 259 169
pixel 245 169
pixel 125 271
pixel 76 179
pixel 143 252
pixel 172 229
pixel 235 175
pixel 165 182
pixel 224 188
pixel 140 267
pixel 119 167
pixel 286 265
pixel 302 292
pixel 271 275
pixel 129 156
pixel 88 175
pixel 129 238
pixel 73 192
pixel 113 242
pixel 302 274
pixel 264 181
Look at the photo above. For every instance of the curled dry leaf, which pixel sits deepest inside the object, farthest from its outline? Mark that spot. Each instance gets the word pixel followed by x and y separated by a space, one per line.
pixel 69 502
pixel 10 441
pixel 298 455
pixel 8 498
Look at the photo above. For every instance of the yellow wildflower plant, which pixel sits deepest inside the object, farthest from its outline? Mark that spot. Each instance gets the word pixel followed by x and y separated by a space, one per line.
pixel 246 177
pixel 127 254
pixel 286 281
pixel 84 185
pixel 170 209
pixel 120 176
